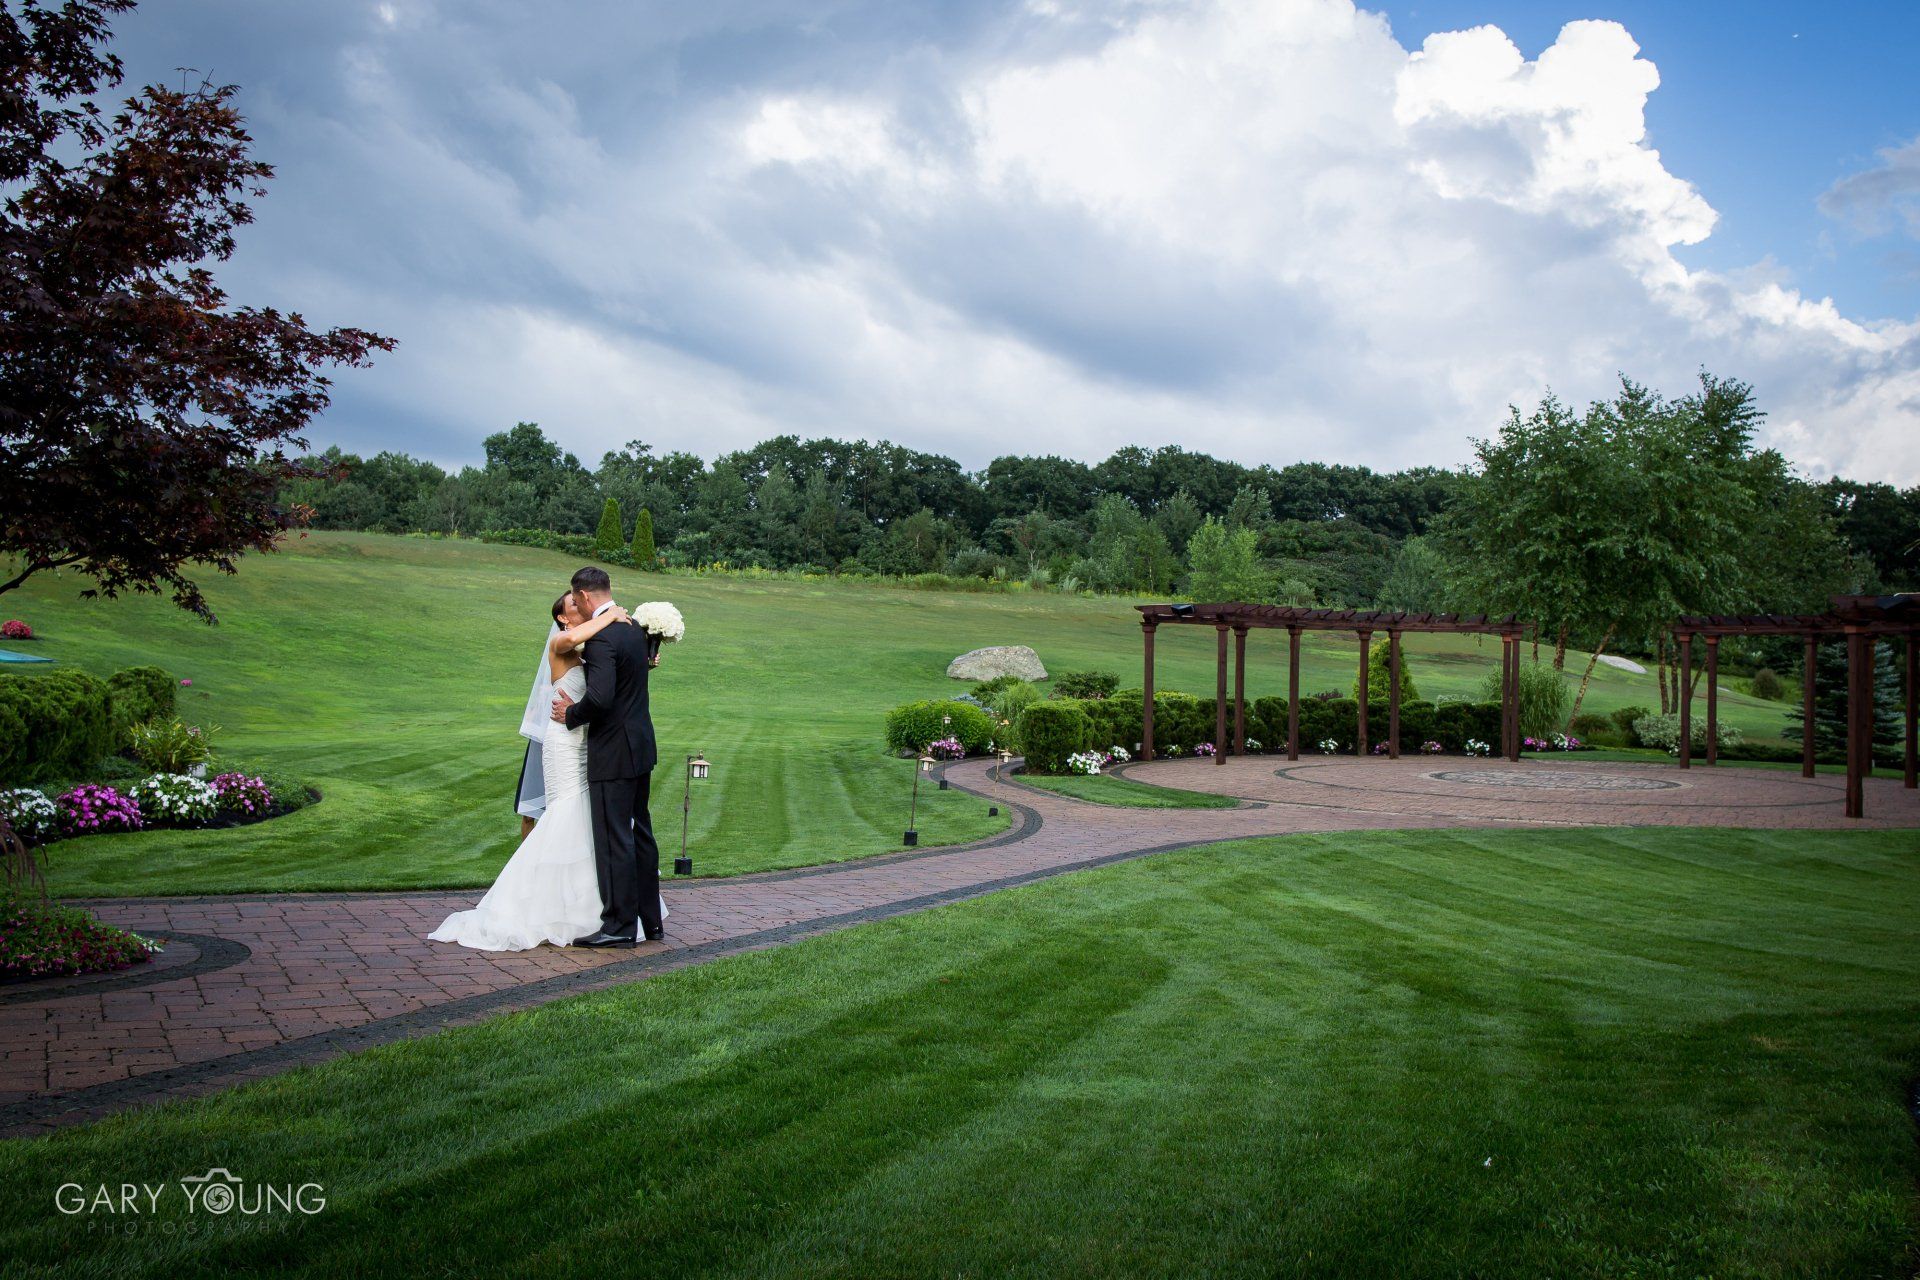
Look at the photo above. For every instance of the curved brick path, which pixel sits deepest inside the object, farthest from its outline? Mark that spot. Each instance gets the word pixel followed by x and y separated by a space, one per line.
pixel 253 984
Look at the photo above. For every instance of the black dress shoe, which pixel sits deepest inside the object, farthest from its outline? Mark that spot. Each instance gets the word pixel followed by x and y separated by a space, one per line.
pixel 655 935
pixel 604 939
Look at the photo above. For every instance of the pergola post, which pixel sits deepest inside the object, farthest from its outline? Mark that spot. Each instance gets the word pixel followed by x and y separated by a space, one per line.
pixel 1859 719
pixel 1809 663
pixel 1713 699
pixel 1393 695
pixel 1912 778
pixel 1239 691
pixel 1513 703
pixel 1506 695
pixel 1686 700
pixel 1360 732
pixel 1220 696
pixel 1293 693
pixel 1146 710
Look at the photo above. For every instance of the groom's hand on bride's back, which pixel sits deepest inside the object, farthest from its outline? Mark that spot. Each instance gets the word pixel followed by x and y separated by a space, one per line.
pixel 560 704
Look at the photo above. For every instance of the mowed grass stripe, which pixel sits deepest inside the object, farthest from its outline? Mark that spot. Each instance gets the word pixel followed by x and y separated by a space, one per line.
pixel 1417 1054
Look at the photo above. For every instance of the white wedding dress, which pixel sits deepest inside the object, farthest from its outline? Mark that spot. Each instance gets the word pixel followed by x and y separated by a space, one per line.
pixel 549 890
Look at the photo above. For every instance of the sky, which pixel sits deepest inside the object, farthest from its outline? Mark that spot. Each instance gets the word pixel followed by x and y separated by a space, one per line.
pixel 1271 230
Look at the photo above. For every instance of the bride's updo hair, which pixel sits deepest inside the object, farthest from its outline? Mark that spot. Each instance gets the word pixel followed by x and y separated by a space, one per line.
pixel 560 608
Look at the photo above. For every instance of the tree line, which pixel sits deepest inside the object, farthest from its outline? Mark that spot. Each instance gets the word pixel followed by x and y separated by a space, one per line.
pixel 1143 520
pixel 1598 525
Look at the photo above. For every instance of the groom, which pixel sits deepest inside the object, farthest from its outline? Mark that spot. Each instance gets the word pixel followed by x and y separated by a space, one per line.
pixel 620 760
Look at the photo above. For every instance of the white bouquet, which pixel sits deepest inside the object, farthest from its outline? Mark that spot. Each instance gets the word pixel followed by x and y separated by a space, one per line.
pixel 661 618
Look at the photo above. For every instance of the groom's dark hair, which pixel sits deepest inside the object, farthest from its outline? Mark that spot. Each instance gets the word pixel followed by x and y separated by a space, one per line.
pixel 592 579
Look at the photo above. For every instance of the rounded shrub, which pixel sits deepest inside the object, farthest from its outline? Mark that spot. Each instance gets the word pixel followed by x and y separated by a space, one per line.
pixel 1050 732
pixel 1117 719
pixel 1592 728
pixel 53 725
pixel 1768 685
pixel 1623 722
pixel 1085 684
pixel 1267 721
pixel 912 725
pixel 137 695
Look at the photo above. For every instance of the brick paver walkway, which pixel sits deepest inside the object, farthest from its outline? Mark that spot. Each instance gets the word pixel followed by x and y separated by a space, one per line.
pixel 253 984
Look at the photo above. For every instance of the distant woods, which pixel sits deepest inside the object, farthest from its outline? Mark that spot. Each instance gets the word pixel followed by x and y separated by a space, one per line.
pixel 1597 525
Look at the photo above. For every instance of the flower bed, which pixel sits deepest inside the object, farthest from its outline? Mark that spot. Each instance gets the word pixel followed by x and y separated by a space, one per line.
pixel 14 629
pixel 42 939
pixel 155 801
pixel 95 809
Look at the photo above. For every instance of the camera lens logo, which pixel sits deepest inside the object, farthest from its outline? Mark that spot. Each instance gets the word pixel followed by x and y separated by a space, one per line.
pixel 213 1190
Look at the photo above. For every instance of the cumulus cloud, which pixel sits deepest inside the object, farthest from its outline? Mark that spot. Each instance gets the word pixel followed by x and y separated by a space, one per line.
pixel 1262 228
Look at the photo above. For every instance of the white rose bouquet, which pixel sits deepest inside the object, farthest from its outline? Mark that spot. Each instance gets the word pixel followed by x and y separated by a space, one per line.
pixel 660 618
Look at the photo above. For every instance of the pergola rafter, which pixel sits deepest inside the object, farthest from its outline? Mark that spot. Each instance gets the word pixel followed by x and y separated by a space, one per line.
pixel 1241 618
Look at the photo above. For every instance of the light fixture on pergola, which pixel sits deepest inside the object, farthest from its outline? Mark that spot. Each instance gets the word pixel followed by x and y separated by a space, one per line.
pixel 1242 618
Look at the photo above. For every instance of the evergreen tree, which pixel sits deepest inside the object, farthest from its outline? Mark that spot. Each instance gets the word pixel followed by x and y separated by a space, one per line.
pixel 1378 662
pixel 608 539
pixel 644 554
pixel 1830 703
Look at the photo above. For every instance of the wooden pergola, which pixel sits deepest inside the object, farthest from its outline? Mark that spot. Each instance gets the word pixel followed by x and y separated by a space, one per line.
pixel 1859 620
pixel 1241 618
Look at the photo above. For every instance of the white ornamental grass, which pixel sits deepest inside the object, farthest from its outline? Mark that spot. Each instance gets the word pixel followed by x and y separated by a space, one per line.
pixel 661 618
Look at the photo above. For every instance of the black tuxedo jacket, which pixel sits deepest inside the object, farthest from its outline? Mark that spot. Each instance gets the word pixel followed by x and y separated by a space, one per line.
pixel 614 706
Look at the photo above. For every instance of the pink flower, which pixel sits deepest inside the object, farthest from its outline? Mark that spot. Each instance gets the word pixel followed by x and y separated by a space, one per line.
pixel 186 684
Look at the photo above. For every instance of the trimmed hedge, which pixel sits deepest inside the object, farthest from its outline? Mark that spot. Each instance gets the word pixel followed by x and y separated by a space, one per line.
pixel 53 725
pixel 1052 731
pixel 1186 720
pixel 912 725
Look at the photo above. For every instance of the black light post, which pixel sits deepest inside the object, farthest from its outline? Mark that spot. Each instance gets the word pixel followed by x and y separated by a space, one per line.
pixel 697 767
pixel 993 810
pixel 912 836
pixel 946 722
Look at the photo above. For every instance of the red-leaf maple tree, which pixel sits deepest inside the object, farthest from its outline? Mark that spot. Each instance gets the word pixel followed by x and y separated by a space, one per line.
pixel 145 422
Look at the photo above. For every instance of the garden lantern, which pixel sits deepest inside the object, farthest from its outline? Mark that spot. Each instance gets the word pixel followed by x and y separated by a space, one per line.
pixel 697 767
pixel 912 836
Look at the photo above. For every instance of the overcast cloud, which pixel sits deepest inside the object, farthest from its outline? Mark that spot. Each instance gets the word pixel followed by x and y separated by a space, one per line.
pixel 1260 228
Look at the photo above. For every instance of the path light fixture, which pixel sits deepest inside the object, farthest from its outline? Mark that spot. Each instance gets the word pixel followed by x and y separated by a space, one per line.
pixel 1000 782
pixel 912 836
pixel 945 722
pixel 697 767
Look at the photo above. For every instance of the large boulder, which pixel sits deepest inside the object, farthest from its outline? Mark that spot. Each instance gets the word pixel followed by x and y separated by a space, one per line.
pixel 999 660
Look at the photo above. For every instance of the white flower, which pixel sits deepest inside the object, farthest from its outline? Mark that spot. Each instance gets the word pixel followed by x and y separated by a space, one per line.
pixel 661 618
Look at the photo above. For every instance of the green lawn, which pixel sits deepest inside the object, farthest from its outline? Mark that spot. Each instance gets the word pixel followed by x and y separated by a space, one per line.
pixel 392 671
pixel 1105 788
pixel 1577 1053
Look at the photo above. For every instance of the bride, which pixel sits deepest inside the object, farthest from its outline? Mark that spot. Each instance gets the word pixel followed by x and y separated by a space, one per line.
pixel 549 890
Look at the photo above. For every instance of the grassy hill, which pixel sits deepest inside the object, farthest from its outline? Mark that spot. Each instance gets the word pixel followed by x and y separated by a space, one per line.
pixel 392 672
